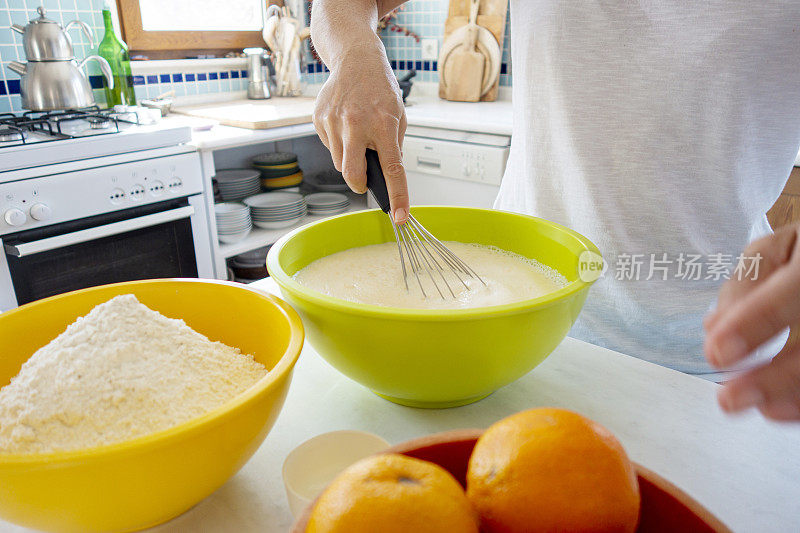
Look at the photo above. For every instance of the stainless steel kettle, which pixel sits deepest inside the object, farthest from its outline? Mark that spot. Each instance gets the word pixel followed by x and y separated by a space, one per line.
pixel 45 40
pixel 54 85
pixel 257 85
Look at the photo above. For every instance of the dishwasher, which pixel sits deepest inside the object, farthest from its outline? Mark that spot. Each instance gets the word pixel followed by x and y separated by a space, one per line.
pixel 450 167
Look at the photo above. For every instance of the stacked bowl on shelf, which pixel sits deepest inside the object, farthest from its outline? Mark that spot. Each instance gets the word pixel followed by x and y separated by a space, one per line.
pixel 237 184
pixel 233 222
pixel 327 203
pixel 326 181
pixel 279 170
pixel 274 210
pixel 250 266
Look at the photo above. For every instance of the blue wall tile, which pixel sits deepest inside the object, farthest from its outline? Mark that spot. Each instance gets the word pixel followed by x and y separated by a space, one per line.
pixel 7 36
pixel 51 6
pixel 426 18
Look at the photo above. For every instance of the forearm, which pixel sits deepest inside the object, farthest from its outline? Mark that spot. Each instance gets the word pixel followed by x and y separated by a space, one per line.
pixel 340 28
pixel 360 106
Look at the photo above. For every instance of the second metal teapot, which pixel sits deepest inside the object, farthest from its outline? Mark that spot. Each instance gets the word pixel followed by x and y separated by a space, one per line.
pixel 55 85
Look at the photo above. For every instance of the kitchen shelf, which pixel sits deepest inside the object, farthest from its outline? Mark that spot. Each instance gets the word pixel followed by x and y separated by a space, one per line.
pixel 262 237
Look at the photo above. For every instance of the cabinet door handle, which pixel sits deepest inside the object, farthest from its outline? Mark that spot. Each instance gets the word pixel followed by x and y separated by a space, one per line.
pixel 429 164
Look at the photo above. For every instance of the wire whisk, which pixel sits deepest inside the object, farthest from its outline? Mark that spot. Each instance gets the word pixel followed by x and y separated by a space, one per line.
pixel 421 254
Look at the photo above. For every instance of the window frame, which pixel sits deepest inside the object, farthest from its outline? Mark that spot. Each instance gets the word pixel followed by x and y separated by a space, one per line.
pixel 177 43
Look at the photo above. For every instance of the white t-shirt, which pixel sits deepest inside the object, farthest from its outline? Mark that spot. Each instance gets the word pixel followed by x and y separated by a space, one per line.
pixel 654 127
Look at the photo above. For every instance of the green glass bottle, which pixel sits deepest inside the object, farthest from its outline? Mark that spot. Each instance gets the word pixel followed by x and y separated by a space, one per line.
pixel 113 50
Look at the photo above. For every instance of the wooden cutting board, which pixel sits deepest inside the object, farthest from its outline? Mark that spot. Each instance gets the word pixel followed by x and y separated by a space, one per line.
pixel 255 114
pixel 464 67
pixel 491 15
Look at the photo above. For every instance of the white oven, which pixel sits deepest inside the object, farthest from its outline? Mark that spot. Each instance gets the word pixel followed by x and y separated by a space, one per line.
pixel 108 219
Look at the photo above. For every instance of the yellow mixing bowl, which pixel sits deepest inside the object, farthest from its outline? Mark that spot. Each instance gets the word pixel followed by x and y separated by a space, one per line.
pixel 148 480
pixel 436 358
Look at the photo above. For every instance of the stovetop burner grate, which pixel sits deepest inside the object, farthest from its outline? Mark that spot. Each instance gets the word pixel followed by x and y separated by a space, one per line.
pixel 53 125
pixel 10 134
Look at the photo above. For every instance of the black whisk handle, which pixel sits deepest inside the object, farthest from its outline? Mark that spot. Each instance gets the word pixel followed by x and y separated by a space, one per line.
pixel 376 183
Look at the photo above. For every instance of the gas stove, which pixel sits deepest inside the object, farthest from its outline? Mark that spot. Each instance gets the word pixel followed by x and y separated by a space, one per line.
pixel 33 139
pixel 97 197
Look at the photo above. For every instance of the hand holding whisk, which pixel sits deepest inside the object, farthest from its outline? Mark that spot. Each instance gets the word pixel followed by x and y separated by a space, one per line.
pixel 424 254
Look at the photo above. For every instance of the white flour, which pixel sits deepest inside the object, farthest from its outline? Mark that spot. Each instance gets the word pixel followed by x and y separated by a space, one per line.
pixel 120 372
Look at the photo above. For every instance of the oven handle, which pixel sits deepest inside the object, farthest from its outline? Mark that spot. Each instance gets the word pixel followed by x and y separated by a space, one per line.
pixel 90 234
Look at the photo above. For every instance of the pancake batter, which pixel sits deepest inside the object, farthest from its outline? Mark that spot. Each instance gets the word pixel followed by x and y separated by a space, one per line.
pixel 372 275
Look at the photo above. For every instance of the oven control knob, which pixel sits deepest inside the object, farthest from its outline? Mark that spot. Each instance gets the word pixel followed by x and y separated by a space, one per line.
pixel 40 212
pixel 15 217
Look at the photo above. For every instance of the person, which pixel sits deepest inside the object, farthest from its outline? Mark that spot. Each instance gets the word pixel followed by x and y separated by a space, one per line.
pixel 750 312
pixel 663 131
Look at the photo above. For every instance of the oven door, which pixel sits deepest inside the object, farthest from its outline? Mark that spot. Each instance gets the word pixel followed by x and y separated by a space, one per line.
pixel 152 241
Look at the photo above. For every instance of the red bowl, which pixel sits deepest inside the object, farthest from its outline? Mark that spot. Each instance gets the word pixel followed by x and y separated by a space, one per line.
pixel 665 507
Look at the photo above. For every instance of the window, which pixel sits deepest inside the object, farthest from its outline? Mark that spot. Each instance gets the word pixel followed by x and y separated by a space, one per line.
pixel 163 29
pixel 200 15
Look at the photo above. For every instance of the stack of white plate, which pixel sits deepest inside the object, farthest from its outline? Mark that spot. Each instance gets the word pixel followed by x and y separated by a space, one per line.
pixel 237 184
pixel 233 222
pixel 327 203
pixel 273 210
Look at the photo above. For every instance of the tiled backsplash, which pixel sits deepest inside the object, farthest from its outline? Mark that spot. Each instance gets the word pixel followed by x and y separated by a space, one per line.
pixel 189 78
pixel 424 17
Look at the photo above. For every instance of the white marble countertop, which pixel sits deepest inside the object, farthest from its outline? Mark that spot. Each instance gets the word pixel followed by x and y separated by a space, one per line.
pixel 744 469
pixel 423 109
pixel 482 117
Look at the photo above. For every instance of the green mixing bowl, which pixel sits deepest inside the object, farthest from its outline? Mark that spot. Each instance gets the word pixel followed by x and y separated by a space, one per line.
pixel 435 358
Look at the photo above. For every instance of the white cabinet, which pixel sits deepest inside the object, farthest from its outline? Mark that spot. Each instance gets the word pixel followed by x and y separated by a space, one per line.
pixel 447 167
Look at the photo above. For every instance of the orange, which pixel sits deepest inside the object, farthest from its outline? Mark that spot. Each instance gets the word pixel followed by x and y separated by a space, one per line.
pixel 393 493
pixel 552 470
